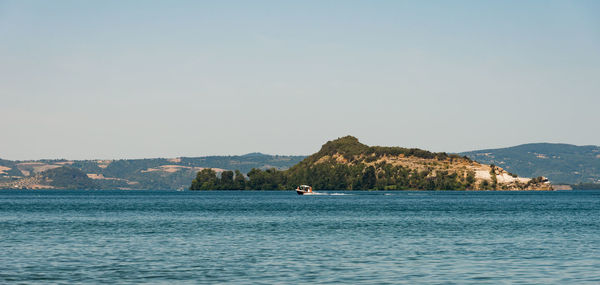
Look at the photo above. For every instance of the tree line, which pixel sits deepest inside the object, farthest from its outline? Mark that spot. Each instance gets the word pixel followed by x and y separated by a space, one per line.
pixel 335 177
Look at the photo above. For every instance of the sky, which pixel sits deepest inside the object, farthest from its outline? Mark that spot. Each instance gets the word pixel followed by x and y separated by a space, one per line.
pixel 135 79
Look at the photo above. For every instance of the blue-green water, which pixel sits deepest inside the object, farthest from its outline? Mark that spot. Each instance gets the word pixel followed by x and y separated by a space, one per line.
pixel 280 237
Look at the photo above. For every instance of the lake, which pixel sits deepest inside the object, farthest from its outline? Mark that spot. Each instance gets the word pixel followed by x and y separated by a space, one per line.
pixel 268 237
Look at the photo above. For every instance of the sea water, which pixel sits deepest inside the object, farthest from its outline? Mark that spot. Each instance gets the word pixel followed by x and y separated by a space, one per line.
pixel 268 237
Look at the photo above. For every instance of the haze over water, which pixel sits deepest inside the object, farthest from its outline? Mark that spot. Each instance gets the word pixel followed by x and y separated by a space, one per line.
pixel 278 237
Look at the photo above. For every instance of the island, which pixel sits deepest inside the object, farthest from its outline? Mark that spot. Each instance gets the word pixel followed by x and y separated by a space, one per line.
pixel 347 164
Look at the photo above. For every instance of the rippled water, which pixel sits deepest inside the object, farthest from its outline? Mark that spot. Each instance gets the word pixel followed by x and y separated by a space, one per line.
pixel 279 237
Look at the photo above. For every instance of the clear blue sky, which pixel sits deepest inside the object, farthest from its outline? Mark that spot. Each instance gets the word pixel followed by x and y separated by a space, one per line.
pixel 131 79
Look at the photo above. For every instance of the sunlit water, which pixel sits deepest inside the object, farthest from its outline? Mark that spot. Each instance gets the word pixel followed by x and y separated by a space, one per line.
pixel 279 237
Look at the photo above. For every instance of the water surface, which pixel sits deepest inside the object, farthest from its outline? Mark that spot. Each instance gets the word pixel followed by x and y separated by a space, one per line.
pixel 279 237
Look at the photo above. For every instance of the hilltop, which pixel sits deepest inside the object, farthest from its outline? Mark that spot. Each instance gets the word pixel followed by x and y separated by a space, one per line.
pixel 561 163
pixel 345 163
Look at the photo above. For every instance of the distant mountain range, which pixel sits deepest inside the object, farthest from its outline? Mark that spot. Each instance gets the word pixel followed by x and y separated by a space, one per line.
pixel 560 163
pixel 153 173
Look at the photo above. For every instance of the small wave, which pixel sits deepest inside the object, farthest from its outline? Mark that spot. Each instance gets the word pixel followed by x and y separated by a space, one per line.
pixel 327 194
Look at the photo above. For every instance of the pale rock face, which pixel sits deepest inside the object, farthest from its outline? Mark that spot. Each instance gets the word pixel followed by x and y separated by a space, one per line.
pixel 175 168
pixel 506 178
pixel 483 174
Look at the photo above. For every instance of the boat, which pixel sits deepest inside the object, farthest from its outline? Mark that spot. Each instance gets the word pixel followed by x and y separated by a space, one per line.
pixel 304 190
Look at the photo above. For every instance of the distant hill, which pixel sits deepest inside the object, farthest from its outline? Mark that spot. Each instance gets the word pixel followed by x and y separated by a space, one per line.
pixel 68 178
pixel 347 164
pixel 152 173
pixel 55 178
pixel 561 163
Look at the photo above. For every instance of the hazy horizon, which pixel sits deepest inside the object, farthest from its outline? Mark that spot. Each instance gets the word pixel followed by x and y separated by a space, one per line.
pixel 248 153
pixel 112 79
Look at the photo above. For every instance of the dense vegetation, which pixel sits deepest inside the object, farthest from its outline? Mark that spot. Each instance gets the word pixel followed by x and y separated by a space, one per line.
pixel 338 177
pixel 69 178
pixel 561 163
pixel 357 173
